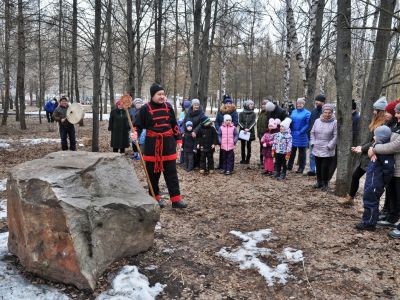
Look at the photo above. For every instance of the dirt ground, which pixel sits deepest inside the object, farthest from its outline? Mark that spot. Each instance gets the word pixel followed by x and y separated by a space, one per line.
pixel 339 262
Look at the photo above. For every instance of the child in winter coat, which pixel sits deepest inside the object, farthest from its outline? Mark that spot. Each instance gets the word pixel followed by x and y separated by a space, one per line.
pixel 189 146
pixel 136 106
pixel 207 139
pixel 281 148
pixel 228 137
pixel 379 174
pixel 267 141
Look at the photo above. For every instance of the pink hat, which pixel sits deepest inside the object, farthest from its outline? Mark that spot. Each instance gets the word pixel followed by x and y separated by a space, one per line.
pixel 273 123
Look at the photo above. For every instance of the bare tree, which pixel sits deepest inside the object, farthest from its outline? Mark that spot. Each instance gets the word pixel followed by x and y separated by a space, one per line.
pixel 60 49
pixel 21 64
pixel 374 85
pixel 344 95
pixel 131 49
pixel 157 40
pixel 109 65
pixel 96 76
pixel 7 32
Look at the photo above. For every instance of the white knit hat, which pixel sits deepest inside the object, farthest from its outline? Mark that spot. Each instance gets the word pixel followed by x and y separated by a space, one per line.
pixel 286 123
pixel 227 118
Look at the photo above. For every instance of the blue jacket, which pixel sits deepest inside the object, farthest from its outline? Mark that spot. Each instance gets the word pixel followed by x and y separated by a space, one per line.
pixel 50 107
pixel 299 126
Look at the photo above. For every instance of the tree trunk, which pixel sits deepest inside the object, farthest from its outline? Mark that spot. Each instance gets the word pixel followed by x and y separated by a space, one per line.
pixel 109 66
pixel 296 47
pixel 131 50
pixel 203 64
pixel 344 95
pixel 60 50
pixel 96 76
pixel 7 31
pixel 176 55
pixel 157 39
pixel 40 59
pixel 194 74
pixel 315 53
pixel 139 67
pixel 17 103
pixel 75 48
pixel 21 65
pixel 375 78
pixel 288 57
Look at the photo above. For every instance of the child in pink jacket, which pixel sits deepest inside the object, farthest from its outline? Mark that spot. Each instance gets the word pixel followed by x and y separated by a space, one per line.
pixel 267 141
pixel 228 137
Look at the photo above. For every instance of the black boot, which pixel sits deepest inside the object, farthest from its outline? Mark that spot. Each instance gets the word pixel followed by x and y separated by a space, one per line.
pixel 282 177
pixel 179 204
pixel 318 185
pixel 325 186
pixel 161 203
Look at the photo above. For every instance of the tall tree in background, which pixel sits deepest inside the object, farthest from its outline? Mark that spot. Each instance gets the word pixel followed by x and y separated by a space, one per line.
pixel 317 12
pixel 344 96
pixel 75 49
pixel 109 64
pixel 131 49
pixel 374 85
pixel 6 60
pixel 40 60
pixel 157 39
pixel 21 64
pixel 194 71
pixel 96 76
pixel 60 49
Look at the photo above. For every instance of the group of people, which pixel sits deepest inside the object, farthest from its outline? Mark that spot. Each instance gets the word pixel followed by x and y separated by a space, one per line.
pixel 161 137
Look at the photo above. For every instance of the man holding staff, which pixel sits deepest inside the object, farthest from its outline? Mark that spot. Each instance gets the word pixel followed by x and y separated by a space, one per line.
pixel 162 139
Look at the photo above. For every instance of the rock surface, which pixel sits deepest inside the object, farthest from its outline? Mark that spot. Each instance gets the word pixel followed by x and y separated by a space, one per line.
pixel 71 214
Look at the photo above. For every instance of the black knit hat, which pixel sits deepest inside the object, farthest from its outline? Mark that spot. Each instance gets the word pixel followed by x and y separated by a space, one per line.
pixel 353 104
pixel 155 87
pixel 320 98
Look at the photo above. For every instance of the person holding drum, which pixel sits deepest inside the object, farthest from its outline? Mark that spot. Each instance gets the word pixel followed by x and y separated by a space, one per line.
pixel 67 129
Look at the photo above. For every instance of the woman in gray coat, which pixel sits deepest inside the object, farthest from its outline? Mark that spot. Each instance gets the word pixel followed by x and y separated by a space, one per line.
pixel 247 121
pixel 323 139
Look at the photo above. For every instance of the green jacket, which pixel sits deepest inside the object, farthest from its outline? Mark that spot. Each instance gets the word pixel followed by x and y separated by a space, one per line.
pixel 262 124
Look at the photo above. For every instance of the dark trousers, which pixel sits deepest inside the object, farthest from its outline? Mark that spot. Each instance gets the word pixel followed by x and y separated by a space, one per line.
pixel 244 145
pixel 323 167
pixel 207 160
pixel 280 164
pixel 371 197
pixel 68 131
pixel 170 176
pixel 302 157
pixel 333 166
pixel 355 181
pixel 228 160
pixel 189 161
pixel 261 156
pixel 392 201
pixel 121 150
pixel 49 117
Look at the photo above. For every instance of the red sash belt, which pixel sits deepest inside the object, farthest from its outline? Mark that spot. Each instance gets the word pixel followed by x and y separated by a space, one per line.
pixel 158 151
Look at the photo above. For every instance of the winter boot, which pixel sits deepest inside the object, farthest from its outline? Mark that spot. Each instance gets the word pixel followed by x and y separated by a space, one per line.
pixel 325 186
pixel 277 175
pixel 348 201
pixel 282 177
pixel 179 204
pixel 161 203
pixel 318 185
pixel 367 227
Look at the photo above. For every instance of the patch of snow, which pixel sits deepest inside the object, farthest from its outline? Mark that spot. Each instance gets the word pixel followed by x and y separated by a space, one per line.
pixel 168 251
pixel 3 183
pixel 15 287
pixel 158 226
pixel 4 145
pixel 151 268
pixel 3 208
pixel 29 142
pixel 129 284
pixel 247 255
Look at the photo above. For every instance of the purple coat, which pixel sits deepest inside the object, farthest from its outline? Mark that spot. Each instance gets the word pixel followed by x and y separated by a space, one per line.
pixel 323 137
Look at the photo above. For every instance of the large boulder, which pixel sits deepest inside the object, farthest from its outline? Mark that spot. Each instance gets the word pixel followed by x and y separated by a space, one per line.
pixel 71 214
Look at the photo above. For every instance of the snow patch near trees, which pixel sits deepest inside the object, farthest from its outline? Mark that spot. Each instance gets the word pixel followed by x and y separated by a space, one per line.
pixel 248 256
pixel 3 183
pixel 129 284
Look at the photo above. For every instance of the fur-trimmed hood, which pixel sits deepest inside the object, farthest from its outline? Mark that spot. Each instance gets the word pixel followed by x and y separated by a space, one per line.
pixel 227 110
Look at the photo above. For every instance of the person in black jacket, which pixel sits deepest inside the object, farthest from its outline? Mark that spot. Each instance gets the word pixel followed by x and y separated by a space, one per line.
pixel 315 114
pixel 119 127
pixel 207 139
pixel 189 146
pixel 275 111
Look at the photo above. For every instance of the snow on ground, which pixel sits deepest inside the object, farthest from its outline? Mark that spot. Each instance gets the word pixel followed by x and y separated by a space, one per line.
pixel 3 183
pixel 15 287
pixel 7 144
pixel 129 284
pixel 3 209
pixel 247 255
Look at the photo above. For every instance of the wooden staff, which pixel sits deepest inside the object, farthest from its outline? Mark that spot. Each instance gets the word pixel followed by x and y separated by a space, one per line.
pixel 127 100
